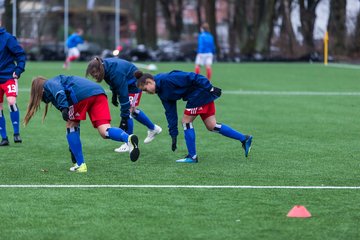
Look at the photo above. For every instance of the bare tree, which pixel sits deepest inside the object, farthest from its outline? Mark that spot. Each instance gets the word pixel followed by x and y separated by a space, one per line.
pixel 172 12
pixel 307 19
pixel 287 35
pixel 265 27
pixel 357 34
pixel 146 22
pixel 337 26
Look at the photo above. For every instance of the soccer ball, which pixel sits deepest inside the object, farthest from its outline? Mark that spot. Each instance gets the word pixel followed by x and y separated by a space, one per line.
pixel 151 67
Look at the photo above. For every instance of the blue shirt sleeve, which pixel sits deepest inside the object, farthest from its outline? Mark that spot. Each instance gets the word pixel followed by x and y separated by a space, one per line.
pixel 171 117
pixel 57 91
pixel 19 53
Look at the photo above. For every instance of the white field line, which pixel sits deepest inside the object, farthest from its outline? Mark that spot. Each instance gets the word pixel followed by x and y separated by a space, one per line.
pixel 272 93
pixel 348 66
pixel 182 186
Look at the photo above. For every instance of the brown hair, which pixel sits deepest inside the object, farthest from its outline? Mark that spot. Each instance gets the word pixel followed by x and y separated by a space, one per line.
pixel 141 78
pixel 96 69
pixel 206 27
pixel 36 94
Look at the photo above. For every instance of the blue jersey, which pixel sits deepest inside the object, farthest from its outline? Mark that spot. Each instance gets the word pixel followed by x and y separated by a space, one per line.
pixel 73 40
pixel 12 56
pixel 64 91
pixel 206 43
pixel 119 75
pixel 190 87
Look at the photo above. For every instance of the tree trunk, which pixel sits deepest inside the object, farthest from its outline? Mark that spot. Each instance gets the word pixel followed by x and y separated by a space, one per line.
pixel 266 25
pixel 210 10
pixel 357 35
pixel 150 23
pixel 172 12
pixel 140 33
pixel 337 26
pixel 287 35
pixel 307 19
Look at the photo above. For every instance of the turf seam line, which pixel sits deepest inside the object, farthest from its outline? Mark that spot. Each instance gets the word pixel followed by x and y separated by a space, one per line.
pixel 179 186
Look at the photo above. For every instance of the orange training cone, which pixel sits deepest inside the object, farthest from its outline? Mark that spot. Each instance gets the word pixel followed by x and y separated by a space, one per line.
pixel 299 211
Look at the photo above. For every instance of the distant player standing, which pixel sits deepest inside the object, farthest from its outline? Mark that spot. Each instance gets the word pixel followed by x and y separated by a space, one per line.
pixel 205 50
pixel 199 95
pixel 12 64
pixel 119 75
pixel 72 42
pixel 74 97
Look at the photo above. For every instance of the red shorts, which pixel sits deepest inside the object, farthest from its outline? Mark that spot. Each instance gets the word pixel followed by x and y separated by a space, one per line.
pixel 10 88
pixel 96 106
pixel 204 111
pixel 134 99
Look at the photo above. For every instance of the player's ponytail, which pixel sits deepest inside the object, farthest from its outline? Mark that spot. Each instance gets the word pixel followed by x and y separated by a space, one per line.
pixel 36 94
pixel 96 69
pixel 141 78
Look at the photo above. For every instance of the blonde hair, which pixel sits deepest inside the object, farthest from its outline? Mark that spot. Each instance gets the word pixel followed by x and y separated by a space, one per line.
pixel 36 94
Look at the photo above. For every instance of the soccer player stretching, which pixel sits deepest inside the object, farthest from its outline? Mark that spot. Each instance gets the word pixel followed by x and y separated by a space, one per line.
pixel 199 94
pixel 12 64
pixel 119 75
pixel 74 97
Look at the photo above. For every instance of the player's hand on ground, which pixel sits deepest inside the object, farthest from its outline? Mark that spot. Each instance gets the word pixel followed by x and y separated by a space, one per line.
pixel 114 99
pixel 173 144
pixel 216 91
pixel 65 114
pixel 124 124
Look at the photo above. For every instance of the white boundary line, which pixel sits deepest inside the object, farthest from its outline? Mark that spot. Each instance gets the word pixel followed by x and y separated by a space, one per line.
pixel 292 93
pixel 271 93
pixel 182 186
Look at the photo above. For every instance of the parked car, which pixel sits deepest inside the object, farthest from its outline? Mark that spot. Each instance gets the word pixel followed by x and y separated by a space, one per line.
pixel 47 52
pixel 139 53
pixel 56 52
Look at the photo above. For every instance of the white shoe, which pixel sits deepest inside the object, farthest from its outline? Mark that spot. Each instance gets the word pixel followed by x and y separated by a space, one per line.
pixel 122 148
pixel 134 150
pixel 152 133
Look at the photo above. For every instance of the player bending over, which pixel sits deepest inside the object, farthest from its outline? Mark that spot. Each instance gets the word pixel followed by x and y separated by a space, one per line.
pixel 199 94
pixel 74 97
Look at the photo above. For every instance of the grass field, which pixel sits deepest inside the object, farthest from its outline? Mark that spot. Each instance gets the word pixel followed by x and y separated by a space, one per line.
pixel 305 123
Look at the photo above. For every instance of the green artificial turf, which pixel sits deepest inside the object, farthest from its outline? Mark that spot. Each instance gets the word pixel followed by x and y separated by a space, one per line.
pixel 305 122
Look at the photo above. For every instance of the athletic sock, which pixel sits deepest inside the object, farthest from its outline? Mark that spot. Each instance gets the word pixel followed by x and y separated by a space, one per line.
pixel 190 137
pixel 15 118
pixel 117 134
pixel 197 69
pixel 229 132
pixel 130 126
pixel 141 117
pixel 73 137
pixel 208 73
pixel 2 125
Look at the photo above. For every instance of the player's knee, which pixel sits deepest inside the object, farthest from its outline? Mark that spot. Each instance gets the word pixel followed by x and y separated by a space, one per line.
pixel 13 107
pixel 135 113
pixel 215 128
pixel 187 125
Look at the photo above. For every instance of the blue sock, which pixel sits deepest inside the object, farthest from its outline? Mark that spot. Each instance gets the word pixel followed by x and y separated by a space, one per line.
pixel 190 137
pixel 130 126
pixel 117 134
pixel 2 125
pixel 229 132
pixel 73 137
pixel 141 117
pixel 15 118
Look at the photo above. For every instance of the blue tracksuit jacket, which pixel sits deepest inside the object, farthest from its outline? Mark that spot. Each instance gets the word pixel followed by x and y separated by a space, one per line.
pixel 64 91
pixel 73 40
pixel 206 43
pixel 119 75
pixel 10 53
pixel 190 87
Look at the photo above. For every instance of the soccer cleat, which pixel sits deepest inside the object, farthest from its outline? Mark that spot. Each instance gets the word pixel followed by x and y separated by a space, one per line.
pixel 152 133
pixel 17 138
pixel 246 144
pixel 188 159
pixel 4 142
pixel 134 151
pixel 122 148
pixel 81 169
